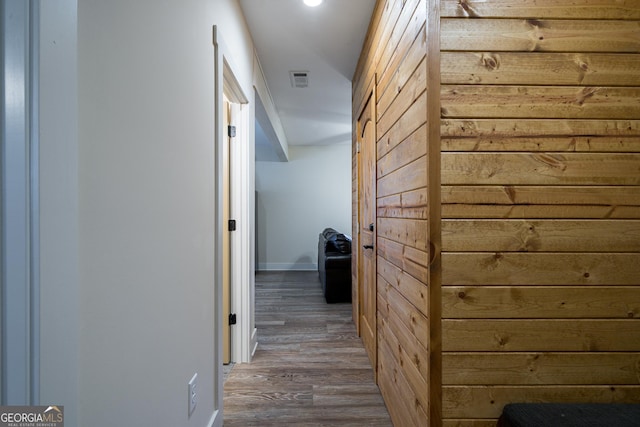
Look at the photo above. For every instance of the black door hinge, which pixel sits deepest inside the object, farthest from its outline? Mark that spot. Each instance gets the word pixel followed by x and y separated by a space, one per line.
pixel 232 319
pixel 231 131
pixel 232 225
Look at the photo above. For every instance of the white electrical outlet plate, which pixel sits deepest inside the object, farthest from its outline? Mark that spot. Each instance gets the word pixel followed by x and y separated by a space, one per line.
pixel 193 393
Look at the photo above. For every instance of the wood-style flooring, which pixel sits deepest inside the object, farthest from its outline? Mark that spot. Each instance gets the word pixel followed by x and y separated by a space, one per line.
pixel 310 368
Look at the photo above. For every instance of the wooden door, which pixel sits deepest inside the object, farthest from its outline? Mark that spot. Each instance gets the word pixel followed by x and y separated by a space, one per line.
pixel 366 229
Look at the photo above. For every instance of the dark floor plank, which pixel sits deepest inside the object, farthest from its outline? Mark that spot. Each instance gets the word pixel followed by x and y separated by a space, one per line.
pixel 310 368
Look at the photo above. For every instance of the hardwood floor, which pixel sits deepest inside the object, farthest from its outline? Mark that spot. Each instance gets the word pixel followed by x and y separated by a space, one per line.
pixel 310 368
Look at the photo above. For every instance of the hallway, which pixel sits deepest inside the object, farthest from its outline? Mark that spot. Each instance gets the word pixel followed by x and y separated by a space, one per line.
pixel 310 368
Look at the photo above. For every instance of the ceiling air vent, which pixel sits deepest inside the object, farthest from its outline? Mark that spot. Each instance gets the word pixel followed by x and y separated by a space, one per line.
pixel 299 78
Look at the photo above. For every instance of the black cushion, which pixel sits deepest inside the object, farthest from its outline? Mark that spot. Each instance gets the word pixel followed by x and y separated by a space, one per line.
pixel 570 415
pixel 328 233
pixel 338 243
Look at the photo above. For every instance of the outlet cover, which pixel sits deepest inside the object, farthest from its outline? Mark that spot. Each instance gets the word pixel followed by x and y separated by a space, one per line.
pixel 193 393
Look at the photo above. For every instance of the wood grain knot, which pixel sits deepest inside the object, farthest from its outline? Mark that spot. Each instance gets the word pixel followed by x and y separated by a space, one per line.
pixel 555 162
pixel 502 341
pixel 416 360
pixel 510 192
pixel 490 62
pixel 536 23
pixel 466 9
pixel 462 294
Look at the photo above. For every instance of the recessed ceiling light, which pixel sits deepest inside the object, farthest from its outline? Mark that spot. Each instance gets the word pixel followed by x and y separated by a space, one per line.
pixel 312 3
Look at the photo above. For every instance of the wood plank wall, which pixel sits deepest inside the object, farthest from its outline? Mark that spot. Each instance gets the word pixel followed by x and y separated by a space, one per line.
pixel 537 205
pixel 540 203
pixel 394 59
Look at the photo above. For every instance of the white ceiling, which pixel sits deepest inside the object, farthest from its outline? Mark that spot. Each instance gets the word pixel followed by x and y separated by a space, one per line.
pixel 326 42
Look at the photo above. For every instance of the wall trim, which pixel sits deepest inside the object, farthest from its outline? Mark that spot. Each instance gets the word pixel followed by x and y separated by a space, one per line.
pixel 20 227
pixel 254 341
pixel 287 266
pixel 216 419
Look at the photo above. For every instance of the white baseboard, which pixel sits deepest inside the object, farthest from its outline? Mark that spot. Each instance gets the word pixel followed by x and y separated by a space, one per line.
pixel 254 342
pixel 281 266
pixel 216 419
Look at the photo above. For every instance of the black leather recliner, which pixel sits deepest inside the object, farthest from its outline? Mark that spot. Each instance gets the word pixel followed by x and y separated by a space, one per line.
pixel 334 265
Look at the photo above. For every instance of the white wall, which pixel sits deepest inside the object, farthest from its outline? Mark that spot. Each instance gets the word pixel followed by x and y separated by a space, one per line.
pixel 146 206
pixel 297 200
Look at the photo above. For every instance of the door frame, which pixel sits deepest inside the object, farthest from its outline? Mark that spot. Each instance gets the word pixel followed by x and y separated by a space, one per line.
pixel 355 227
pixel 20 209
pixel 242 205
pixel 225 176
